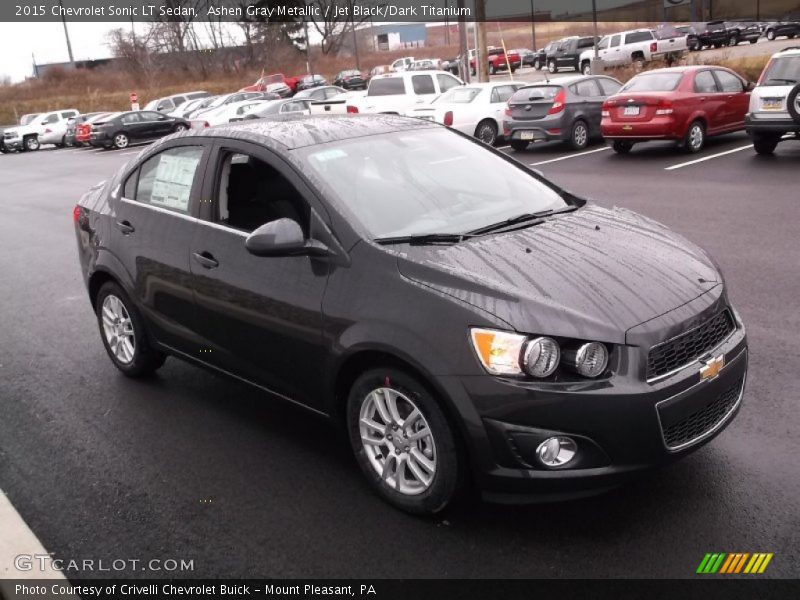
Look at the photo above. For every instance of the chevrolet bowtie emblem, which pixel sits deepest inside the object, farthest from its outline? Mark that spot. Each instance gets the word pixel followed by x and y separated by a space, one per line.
pixel 712 368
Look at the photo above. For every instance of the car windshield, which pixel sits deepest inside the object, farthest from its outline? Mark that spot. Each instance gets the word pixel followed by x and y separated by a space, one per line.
pixel 425 181
pixel 784 70
pixel 653 82
pixel 219 101
pixel 459 95
pixel 151 105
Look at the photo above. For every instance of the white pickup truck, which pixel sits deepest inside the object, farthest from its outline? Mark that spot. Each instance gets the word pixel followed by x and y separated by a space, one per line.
pixel 634 47
pixel 47 128
pixel 393 93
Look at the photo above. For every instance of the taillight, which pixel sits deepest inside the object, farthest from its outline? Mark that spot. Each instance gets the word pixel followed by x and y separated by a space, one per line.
pixel 664 108
pixel 604 113
pixel 653 47
pixel 205 124
pixel 352 109
pixel 448 118
pixel 761 77
pixel 76 213
pixel 558 102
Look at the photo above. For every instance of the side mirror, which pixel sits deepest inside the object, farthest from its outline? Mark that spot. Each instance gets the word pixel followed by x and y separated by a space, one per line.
pixel 283 237
pixel 750 86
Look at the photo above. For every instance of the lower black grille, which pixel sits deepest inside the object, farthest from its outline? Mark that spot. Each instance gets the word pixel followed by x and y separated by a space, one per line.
pixel 702 421
pixel 689 346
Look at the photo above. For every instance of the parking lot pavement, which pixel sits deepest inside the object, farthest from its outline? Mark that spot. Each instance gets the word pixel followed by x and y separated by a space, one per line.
pixel 190 465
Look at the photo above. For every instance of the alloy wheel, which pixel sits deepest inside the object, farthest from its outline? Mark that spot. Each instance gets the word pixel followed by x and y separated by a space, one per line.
pixel 121 140
pixel 118 329
pixel 487 133
pixel 180 127
pixel 32 143
pixel 695 137
pixel 580 135
pixel 398 441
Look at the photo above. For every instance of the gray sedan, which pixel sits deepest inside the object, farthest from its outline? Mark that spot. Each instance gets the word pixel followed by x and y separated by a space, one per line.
pixel 566 109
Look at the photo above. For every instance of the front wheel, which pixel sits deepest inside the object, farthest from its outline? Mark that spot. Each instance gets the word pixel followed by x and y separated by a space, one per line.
pixel 695 138
pixel 552 66
pixel 486 131
pixel 734 41
pixel 622 147
pixel 770 35
pixel 402 441
pixel 537 65
pixel 180 127
pixel 518 145
pixel 587 68
pixel 30 143
pixel 753 41
pixel 123 333
pixel 492 69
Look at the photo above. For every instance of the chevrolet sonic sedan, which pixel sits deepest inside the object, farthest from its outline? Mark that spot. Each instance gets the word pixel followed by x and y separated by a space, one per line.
pixel 474 324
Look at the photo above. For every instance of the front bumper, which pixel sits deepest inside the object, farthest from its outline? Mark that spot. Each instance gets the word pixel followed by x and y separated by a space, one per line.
pixel 622 425
pixel 12 143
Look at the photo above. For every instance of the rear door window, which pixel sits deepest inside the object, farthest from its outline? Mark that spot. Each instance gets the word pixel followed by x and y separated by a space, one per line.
pixel 166 180
pixel 704 83
pixel 130 118
pixel 729 82
pixel 447 82
pixel 609 86
pixel 423 84
pixel 586 88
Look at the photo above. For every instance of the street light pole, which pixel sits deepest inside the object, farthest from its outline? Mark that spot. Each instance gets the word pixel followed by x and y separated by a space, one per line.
pixel 533 27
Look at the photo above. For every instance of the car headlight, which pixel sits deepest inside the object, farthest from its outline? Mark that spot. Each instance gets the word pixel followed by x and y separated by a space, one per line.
pixel 542 356
pixel 500 352
pixel 589 359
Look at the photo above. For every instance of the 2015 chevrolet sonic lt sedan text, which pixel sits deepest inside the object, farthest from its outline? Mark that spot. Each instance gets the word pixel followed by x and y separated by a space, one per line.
pixel 466 320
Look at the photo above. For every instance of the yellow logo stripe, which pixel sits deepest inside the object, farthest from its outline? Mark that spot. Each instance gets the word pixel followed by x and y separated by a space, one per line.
pixel 764 564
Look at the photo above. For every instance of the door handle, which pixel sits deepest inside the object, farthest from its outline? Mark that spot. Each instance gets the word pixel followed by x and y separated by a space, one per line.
pixel 125 227
pixel 206 259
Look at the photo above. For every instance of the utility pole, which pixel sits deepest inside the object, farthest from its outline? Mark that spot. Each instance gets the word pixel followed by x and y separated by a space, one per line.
pixel 481 62
pixel 308 46
pixel 66 33
pixel 533 27
pixel 355 38
pixel 463 49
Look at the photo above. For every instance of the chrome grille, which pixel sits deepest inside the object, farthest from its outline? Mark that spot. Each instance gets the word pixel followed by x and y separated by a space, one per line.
pixel 684 349
pixel 701 422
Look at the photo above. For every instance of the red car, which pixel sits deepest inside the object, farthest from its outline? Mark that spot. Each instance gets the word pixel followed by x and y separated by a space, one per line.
pixel 686 104
pixel 83 131
pixel 265 80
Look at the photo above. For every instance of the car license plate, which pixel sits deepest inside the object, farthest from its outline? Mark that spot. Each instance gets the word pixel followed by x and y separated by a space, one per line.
pixel 526 135
pixel 771 103
pixel 631 111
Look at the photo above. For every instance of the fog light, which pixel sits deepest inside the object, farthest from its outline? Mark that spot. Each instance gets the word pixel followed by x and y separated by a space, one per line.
pixel 556 451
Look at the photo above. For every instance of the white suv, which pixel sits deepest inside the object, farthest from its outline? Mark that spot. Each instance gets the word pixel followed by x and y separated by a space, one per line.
pixel 47 128
pixel 775 102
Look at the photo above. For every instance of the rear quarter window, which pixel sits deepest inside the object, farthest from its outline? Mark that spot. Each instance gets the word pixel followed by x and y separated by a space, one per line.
pixel 423 84
pixel 638 36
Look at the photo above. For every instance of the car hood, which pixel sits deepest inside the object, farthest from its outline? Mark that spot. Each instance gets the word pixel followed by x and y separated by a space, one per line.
pixel 592 274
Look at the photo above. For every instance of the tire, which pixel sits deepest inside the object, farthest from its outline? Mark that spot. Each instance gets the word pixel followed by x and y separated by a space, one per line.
pixel 179 127
pixel 770 35
pixel 754 41
pixel 622 147
pixel 579 135
pixel 552 66
pixel 734 41
pixel 793 103
pixel 121 141
pixel 718 45
pixel 537 65
pixel 30 143
pixel 638 63
pixel 433 481
pixel 695 137
pixel 117 317
pixel 518 145
pixel 765 144
pixel 492 69
pixel 587 68
pixel 486 131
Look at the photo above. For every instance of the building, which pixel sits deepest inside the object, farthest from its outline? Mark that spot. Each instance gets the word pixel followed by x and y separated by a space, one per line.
pixel 397 36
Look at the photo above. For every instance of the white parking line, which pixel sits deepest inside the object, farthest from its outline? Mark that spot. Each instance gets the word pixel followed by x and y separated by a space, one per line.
pixel 705 158
pixel 579 154
pixel 502 147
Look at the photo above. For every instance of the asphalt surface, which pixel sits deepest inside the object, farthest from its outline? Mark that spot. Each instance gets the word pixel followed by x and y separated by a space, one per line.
pixel 192 466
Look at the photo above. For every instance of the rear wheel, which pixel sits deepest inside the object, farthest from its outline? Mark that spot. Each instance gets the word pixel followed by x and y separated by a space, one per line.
pixel 734 41
pixel 753 41
pixel 765 144
pixel 552 66
pixel 695 137
pixel 519 145
pixel 622 147
pixel 123 333
pixel 486 131
pixel 402 441
pixel 536 64
pixel 579 137
pixel 121 141
pixel 587 68
pixel 492 69
pixel 638 63
pixel 770 35
pixel 180 127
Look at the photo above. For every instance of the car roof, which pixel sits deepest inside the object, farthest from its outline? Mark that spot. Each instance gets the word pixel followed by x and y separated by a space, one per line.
pixel 565 80
pixel 297 131
pixel 789 51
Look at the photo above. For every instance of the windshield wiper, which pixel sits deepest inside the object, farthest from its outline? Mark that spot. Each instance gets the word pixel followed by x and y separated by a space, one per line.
pixel 780 79
pixel 530 219
pixel 425 238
